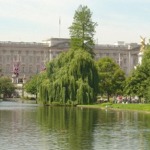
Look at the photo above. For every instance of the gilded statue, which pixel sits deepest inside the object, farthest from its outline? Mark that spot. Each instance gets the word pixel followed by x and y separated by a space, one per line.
pixel 142 44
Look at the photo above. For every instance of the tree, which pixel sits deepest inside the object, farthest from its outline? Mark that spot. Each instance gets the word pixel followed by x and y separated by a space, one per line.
pixel 82 30
pixel 111 77
pixel 32 85
pixel 72 79
pixel 146 66
pixel 7 88
pixel 0 72
pixel 138 83
pixel 147 94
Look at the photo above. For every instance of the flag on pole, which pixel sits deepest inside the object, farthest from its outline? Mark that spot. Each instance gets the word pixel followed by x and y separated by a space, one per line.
pixel 59 20
pixel 59 25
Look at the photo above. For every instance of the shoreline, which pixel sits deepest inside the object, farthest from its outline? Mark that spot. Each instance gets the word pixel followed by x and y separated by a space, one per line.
pixel 103 106
pixel 120 107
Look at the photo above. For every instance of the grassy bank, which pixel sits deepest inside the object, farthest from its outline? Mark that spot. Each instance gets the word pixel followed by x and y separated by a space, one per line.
pixel 138 107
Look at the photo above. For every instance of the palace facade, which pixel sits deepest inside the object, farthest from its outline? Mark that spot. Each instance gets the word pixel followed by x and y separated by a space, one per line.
pixel 27 58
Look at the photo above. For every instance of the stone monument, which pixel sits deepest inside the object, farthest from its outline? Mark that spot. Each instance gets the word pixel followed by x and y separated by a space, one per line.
pixel 140 55
pixel 15 73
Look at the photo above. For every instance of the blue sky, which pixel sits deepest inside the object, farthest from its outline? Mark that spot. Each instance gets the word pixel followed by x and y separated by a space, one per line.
pixel 37 20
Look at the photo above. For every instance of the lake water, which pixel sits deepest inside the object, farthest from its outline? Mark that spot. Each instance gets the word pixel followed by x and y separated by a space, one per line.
pixel 32 127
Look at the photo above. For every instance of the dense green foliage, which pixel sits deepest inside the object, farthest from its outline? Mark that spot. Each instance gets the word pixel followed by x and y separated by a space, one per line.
pixel 32 85
pixel 139 81
pixel 146 70
pixel 72 79
pixel 82 30
pixel 136 83
pixel 147 94
pixel 7 88
pixel 111 77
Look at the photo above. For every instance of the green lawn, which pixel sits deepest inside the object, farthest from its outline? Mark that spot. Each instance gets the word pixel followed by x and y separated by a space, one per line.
pixel 138 107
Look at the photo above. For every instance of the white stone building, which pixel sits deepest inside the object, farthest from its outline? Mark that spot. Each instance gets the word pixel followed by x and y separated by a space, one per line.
pixel 31 57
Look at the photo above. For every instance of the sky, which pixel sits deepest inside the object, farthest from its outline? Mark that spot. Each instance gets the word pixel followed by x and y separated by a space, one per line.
pixel 38 20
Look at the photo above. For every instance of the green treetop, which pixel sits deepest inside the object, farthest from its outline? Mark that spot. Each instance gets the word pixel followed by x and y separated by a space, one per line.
pixel 7 88
pixel 111 77
pixel 82 30
pixel 139 82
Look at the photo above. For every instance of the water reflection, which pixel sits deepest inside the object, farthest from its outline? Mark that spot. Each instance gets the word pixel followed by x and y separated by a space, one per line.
pixel 123 130
pixel 73 126
pixel 25 126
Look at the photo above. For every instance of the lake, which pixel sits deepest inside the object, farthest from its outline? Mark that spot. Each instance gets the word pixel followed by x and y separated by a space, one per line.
pixel 33 127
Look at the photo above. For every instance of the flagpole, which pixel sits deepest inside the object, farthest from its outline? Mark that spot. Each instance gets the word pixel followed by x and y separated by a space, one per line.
pixel 59 26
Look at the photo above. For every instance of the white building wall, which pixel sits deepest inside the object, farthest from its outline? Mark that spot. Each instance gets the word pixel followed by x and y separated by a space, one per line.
pixel 32 56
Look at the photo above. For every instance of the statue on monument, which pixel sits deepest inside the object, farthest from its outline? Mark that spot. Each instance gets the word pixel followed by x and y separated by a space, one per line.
pixel 15 73
pixel 142 44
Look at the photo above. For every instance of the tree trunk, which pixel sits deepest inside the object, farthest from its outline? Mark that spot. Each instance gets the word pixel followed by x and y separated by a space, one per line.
pixel 108 97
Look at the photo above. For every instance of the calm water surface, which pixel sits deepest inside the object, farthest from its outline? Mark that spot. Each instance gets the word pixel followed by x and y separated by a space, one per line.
pixel 31 127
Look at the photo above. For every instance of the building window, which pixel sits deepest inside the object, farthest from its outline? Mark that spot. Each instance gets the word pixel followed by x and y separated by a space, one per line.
pixel 107 54
pixel 114 54
pixel 125 61
pixel 30 69
pixel 38 59
pixel 33 59
pixel 15 57
pixel 4 51
pixel 23 68
pixel 23 59
pixel 1 68
pixel 4 59
pixel 100 55
pixel 11 51
pixel 135 61
pixel 38 69
pixel 30 58
pixel 7 68
pixel 8 58
pixel 42 52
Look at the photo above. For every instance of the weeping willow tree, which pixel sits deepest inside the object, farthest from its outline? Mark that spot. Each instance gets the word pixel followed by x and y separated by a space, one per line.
pixel 72 79
pixel 73 76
